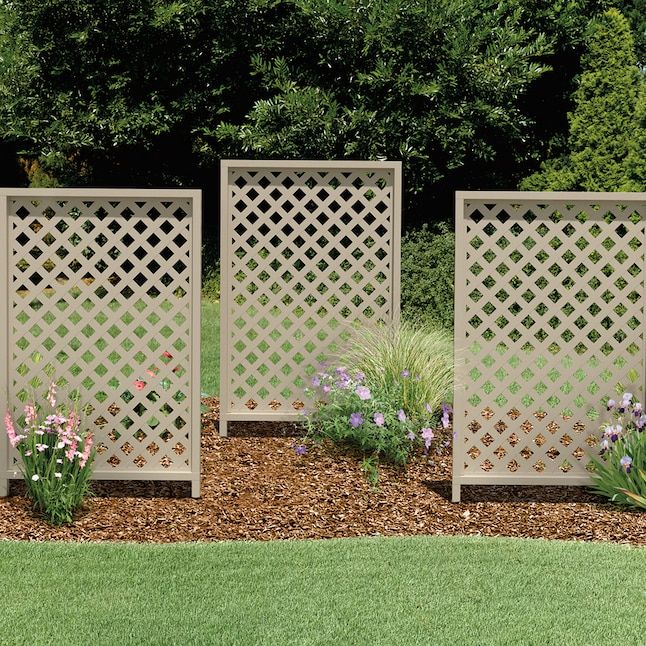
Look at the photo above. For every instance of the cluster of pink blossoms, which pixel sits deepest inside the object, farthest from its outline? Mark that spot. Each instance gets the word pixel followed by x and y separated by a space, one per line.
pixel 56 431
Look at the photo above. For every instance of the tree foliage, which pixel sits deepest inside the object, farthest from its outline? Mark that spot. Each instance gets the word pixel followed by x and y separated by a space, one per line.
pixel 158 91
pixel 606 140
pixel 112 91
pixel 438 88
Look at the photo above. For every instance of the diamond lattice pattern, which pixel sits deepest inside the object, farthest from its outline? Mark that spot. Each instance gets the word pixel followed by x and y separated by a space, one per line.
pixel 311 252
pixel 101 289
pixel 553 321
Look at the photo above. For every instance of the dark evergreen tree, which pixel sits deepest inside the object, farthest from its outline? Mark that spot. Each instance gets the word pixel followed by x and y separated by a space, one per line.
pixel 607 138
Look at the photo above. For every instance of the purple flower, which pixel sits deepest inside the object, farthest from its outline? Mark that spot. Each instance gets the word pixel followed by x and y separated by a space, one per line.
pixel 356 420
pixel 418 378
pixel 316 381
pixel 401 415
pixel 411 436
pixel 613 432
pixel 626 462
pixel 363 392
pixel 427 436
pixel 300 449
pixel 429 409
pixel 641 422
pixel 625 401
pixel 327 388
pixel 360 376
pixel 343 381
pixel 405 373
pixel 446 410
pixel 611 404
pixel 379 419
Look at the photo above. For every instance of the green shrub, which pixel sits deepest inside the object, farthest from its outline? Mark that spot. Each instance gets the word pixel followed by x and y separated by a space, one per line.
pixel 210 279
pixel 620 473
pixel 385 397
pixel 427 276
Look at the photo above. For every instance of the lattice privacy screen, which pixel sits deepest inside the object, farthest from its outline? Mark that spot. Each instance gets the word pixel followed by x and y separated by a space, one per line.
pixel 307 248
pixel 105 286
pixel 549 318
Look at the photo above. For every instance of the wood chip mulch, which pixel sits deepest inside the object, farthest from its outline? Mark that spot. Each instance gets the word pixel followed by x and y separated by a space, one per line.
pixel 255 487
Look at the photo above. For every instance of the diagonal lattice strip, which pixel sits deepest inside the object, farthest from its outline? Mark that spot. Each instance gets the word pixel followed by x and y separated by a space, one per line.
pixel 551 319
pixel 101 290
pixel 309 251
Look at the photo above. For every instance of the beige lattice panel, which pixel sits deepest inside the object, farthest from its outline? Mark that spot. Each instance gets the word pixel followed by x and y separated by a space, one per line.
pixel 104 285
pixel 549 318
pixel 307 249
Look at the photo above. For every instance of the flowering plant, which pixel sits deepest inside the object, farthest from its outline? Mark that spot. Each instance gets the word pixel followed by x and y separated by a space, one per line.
pixel 620 473
pixel 378 421
pixel 56 456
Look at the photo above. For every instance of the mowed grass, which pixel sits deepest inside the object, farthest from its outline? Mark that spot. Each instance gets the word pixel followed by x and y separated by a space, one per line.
pixel 210 354
pixel 400 591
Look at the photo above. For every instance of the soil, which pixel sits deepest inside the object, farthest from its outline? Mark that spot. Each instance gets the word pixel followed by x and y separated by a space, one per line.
pixel 255 487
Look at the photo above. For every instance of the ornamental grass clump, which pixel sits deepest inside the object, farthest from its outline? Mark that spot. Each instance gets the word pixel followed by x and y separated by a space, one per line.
pixel 56 456
pixel 620 472
pixel 416 360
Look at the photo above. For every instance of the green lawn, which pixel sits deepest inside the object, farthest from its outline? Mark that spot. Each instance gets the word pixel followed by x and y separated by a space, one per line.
pixel 396 591
pixel 210 347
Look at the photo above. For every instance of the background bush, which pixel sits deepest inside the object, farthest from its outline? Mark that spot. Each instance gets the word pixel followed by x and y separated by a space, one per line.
pixel 427 276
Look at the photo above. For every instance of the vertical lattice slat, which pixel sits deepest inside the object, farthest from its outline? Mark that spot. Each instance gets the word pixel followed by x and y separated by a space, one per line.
pixel 307 248
pixel 104 286
pixel 549 318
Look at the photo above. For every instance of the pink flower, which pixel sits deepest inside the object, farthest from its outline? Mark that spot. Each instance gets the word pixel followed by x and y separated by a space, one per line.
pixel 51 394
pixel 30 414
pixel 401 415
pixel 87 447
pixel 69 454
pixel 11 432
pixel 167 354
pixel 140 385
pixel 379 419
pixel 72 424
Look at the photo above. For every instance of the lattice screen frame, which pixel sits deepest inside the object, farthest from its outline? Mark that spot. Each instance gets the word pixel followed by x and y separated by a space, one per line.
pixel 181 387
pixel 384 298
pixel 582 345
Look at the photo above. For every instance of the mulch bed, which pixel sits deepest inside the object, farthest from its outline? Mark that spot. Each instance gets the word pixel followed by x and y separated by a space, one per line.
pixel 254 487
